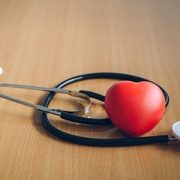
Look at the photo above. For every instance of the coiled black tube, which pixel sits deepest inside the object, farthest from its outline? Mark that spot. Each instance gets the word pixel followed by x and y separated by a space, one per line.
pixel 96 141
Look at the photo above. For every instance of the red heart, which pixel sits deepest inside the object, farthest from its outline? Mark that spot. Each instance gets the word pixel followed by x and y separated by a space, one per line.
pixel 135 108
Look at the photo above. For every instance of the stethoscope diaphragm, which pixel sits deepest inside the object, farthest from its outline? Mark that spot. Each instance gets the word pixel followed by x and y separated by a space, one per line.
pixel 176 129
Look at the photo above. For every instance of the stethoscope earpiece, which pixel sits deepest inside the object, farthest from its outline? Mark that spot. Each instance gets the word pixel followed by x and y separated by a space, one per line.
pixel 1 70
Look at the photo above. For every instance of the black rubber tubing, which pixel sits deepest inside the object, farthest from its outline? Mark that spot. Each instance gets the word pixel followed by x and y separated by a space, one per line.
pixel 130 141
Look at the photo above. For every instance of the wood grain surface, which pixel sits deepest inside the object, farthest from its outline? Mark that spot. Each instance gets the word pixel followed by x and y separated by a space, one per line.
pixel 43 42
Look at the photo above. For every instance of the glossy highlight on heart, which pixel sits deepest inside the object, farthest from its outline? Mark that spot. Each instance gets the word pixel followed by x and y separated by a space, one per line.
pixel 135 107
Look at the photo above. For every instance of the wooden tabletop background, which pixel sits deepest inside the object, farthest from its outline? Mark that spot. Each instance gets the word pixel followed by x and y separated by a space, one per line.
pixel 43 42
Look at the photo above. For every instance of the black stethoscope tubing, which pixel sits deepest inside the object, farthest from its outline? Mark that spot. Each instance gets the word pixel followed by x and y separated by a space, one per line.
pixel 93 121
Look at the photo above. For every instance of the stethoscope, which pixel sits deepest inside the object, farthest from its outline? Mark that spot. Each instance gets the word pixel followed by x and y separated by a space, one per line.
pixel 74 116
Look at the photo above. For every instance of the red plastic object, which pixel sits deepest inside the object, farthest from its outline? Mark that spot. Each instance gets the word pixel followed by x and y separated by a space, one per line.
pixel 135 108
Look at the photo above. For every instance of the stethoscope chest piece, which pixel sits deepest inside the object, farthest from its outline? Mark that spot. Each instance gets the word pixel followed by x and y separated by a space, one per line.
pixel 176 129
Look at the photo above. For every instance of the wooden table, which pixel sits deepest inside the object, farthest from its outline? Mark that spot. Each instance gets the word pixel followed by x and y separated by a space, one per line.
pixel 45 42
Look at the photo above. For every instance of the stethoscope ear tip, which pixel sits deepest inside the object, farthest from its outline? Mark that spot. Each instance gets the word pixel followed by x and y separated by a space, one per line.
pixel 1 70
pixel 176 129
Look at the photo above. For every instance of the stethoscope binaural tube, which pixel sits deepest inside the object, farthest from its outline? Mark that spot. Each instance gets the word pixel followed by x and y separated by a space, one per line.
pixel 96 141
pixel 82 110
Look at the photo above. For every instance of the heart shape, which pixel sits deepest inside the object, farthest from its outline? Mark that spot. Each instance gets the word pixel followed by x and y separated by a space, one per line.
pixel 135 108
